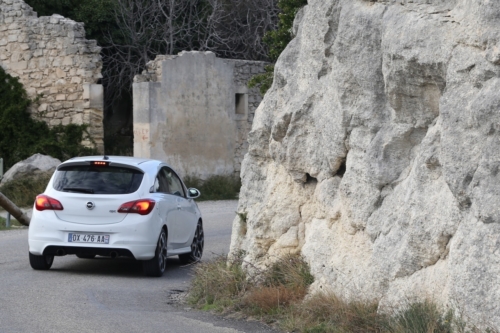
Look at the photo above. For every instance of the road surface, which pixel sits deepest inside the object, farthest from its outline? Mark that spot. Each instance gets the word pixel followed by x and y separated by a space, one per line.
pixel 108 295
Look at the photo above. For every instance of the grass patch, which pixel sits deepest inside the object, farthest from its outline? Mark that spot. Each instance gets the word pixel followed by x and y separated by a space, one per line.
pixel 215 187
pixel 13 222
pixel 23 191
pixel 219 285
pixel 277 295
pixel 225 286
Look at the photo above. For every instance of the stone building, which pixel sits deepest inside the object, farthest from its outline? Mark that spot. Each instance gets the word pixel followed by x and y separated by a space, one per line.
pixel 194 111
pixel 54 61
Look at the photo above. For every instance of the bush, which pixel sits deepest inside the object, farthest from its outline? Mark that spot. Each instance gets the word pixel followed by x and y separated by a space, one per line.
pixel 277 40
pixel 215 187
pixel 21 136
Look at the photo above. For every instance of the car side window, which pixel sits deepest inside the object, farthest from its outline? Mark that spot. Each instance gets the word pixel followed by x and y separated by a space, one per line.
pixel 174 183
pixel 161 182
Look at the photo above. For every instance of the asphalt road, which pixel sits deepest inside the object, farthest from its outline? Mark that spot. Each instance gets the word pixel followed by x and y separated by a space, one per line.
pixel 108 295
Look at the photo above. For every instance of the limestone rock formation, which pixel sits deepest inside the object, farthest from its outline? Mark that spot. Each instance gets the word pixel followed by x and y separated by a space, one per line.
pixel 35 165
pixel 376 153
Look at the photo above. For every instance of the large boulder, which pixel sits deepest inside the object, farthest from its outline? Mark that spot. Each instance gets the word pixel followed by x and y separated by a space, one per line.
pixel 35 165
pixel 376 154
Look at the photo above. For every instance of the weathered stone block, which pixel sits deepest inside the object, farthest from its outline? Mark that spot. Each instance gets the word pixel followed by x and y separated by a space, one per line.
pixel 77 119
pixel 68 61
pixel 59 72
pixel 73 97
pixel 43 107
pixel 18 66
pixel 55 122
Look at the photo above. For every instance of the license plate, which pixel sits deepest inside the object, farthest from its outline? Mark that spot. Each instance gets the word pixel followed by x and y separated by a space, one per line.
pixel 88 238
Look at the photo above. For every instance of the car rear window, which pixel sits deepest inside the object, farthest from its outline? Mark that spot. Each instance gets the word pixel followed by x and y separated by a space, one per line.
pixel 97 180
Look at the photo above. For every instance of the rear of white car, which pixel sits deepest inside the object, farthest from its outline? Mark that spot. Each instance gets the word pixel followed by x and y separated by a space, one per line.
pixel 100 206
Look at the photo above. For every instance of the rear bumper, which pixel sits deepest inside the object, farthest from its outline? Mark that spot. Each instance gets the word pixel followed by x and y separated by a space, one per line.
pixel 96 251
pixel 136 236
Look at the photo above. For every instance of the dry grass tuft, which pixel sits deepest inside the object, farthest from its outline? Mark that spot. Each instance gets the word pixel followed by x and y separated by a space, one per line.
pixel 328 313
pixel 277 295
pixel 222 286
pixel 290 271
pixel 422 317
pixel 218 284
pixel 268 300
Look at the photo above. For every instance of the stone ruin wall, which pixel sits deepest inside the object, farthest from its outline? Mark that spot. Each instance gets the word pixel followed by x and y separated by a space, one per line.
pixel 243 71
pixel 54 61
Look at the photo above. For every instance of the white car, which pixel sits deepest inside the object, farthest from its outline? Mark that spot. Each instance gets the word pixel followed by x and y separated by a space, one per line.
pixel 117 207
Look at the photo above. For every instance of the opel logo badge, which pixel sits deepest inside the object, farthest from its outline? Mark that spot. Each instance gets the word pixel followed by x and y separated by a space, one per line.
pixel 90 205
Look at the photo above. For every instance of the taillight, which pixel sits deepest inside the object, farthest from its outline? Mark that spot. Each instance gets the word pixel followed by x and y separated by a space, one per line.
pixel 142 207
pixel 44 202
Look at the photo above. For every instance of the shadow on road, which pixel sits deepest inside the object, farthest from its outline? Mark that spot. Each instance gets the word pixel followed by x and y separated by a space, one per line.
pixel 120 267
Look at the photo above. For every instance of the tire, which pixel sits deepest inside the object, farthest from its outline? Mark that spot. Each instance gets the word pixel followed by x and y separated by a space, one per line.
pixel 43 262
pixel 156 266
pixel 196 246
pixel 86 256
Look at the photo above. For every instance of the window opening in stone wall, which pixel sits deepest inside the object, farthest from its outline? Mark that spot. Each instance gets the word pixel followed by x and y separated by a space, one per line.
pixel 241 104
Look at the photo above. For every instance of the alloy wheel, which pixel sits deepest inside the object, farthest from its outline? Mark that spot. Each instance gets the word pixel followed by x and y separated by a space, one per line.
pixel 162 251
pixel 198 243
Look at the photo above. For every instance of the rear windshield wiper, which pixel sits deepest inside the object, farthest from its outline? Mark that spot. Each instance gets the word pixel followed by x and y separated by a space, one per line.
pixel 79 189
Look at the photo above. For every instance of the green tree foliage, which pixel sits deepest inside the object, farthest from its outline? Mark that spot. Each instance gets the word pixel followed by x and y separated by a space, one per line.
pixel 277 40
pixel 22 136
pixel 264 81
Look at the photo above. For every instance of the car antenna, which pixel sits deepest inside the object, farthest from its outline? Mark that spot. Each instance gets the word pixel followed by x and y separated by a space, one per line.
pixel 105 158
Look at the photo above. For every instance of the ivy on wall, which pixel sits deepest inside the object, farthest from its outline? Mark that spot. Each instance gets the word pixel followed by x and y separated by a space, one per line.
pixel 22 136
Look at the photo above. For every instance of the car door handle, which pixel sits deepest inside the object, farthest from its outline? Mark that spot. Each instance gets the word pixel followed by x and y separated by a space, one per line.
pixel 178 207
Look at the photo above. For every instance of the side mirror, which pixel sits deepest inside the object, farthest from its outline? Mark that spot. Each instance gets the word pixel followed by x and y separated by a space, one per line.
pixel 193 193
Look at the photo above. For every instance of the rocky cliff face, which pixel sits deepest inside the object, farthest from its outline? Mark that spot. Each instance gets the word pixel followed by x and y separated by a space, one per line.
pixel 376 153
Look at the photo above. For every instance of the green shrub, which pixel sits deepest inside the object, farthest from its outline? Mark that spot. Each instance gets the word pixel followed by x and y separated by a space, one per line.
pixel 215 187
pixel 277 40
pixel 22 136
pixel 264 81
